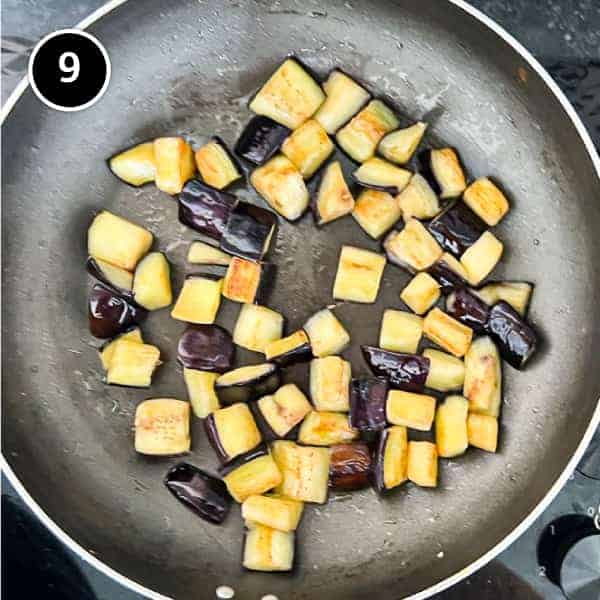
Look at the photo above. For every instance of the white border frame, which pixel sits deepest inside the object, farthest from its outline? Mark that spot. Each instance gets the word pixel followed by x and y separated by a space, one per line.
pixel 533 515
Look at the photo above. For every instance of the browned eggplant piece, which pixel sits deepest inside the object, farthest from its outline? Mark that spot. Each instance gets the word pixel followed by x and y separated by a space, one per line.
pixel 249 282
pixel 367 404
pixel 456 228
pixel 204 494
pixel 466 307
pixel 116 279
pixel 294 348
pixel 205 209
pixel 389 468
pixel 349 466
pixel 442 168
pixel 249 231
pixel 110 314
pixel 206 348
pixel 404 371
pixel 216 165
pixel 261 139
pixel 516 339
pixel 449 273
pixel 247 383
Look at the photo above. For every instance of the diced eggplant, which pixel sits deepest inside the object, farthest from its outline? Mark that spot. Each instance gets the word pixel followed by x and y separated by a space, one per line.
pixel 444 172
pixel 516 339
pixel 446 372
pixel 132 364
pixel 174 164
pixel 334 198
pixel 360 137
pixel 282 186
pixel 487 201
pixel 117 279
pixel 216 165
pixel 162 427
pixel 201 253
pixel 199 299
pixel 304 470
pixel 247 383
pixel 247 281
pixel 249 231
pixel 117 241
pixel 421 293
pixel 423 463
pixel 201 391
pixel 400 331
pixel 448 333
pixel 390 459
pixel 464 305
pixel 274 511
pixel 267 549
pixel 282 411
pixel 368 396
pixel 256 326
pixel 294 348
pixel 449 273
pixel 358 275
pixel 344 99
pixel 330 383
pixel 480 259
pixel 206 348
pixel 308 147
pixel 412 248
pixel 204 494
pixel 135 166
pixel 376 212
pixel 415 411
pixel 379 174
pixel 290 96
pixel 232 431
pixel 350 466
pixel 110 314
pixel 451 436
pixel 483 377
pixel 456 228
pixel 205 209
pixel 261 139
pixel 152 282
pixel 327 335
pixel 516 293
pixel 483 432
pixel 404 371
pixel 251 474
pixel 400 145
pixel 107 350
pixel 418 200
pixel 321 428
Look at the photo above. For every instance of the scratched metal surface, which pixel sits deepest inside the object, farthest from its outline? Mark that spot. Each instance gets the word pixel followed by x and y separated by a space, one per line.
pixel 190 69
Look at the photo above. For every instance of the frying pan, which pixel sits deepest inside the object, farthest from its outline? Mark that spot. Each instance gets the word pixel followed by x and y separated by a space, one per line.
pixel 189 68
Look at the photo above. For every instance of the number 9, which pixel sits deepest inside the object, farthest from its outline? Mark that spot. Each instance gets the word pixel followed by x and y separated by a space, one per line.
pixel 69 63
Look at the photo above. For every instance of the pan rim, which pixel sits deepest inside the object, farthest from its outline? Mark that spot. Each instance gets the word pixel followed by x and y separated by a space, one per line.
pixel 513 535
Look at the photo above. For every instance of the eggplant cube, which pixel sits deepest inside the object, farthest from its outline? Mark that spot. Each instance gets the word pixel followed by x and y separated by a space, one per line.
pixel 261 139
pixel 368 396
pixel 274 511
pixel 358 275
pixel 110 314
pixel 135 166
pixel 201 391
pixel 201 253
pixel 483 432
pixel 421 293
pixel 400 331
pixel 215 165
pixel 115 278
pixel 381 175
pixel 390 462
pixel 289 350
pixel 206 347
pixel 162 427
pixel 445 169
pixel 480 259
pixel 327 335
pixel 487 201
pixel 404 371
pixel 308 147
pixel 290 96
pixel 267 549
pixel 152 282
pixel 418 200
pixel 247 383
pixel 399 146
pixel 304 470
pixel 199 299
pixel 451 427
pixel 330 383
pixel 413 248
pixel 174 164
pixel 446 372
pixel 467 307
pixel 449 273
pixel 284 409
pixel 376 212
pixel 132 364
pixel 256 326
pixel 415 411
pixel 242 280
pixel 446 332
pixel 516 293
pixel 321 428
pixel 483 377
pixel 107 351
pixel 350 466
pixel 423 463
pixel 117 241
pixel 334 198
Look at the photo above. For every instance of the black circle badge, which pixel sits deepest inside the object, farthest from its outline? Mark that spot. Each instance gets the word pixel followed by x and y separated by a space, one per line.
pixel 69 70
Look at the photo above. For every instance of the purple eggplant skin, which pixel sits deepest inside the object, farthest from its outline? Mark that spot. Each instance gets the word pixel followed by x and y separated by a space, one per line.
pixel 377 474
pixel 215 441
pixel 349 466
pixel 260 140
pixel 388 189
pixel 206 348
pixel 204 208
pixel 249 231
pixel 243 459
pixel 517 340
pixel 299 354
pixel 94 269
pixel 466 307
pixel 367 404
pixel 204 494
pixel 404 371
pixel 446 277
pixel 424 164
pixel 456 228
pixel 246 391
pixel 266 286
pixel 110 314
